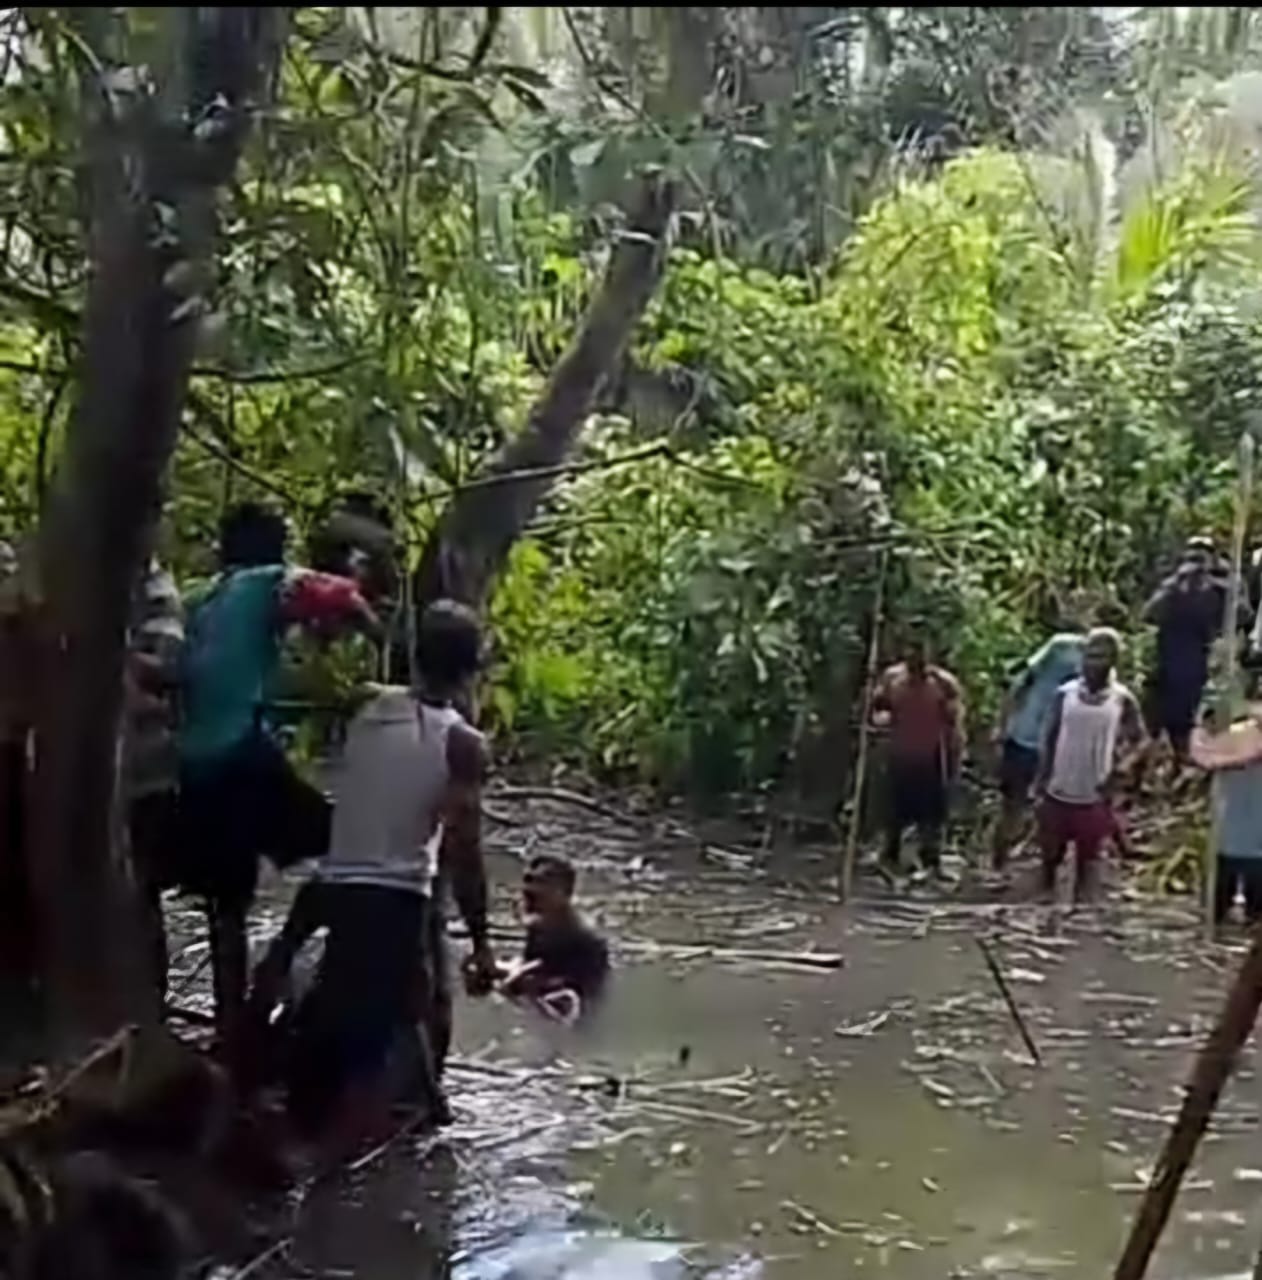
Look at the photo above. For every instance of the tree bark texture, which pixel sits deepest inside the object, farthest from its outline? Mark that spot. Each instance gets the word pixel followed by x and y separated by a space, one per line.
pixel 478 528
pixel 153 165
pixel 1213 1067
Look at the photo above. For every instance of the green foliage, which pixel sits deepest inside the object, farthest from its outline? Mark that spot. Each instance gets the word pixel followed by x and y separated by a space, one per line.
pixel 949 399
pixel 873 371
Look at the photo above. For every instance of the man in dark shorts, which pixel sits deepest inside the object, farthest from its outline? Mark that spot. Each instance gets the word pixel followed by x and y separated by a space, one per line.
pixel 922 707
pixel 1188 611
pixel 407 792
pixel 239 797
pixel 565 964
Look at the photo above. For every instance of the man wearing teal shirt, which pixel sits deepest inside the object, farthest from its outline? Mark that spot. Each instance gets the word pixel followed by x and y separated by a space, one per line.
pixel 240 799
pixel 1023 722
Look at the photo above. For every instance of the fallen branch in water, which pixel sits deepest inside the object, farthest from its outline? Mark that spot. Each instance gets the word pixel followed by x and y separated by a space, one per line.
pixel 260 1260
pixel 690 950
pixel 563 796
pixel 1013 1008
pixel 810 1217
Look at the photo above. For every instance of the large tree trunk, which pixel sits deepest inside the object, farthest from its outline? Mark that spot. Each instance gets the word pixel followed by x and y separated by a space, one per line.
pixel 154 164
pixel 474 535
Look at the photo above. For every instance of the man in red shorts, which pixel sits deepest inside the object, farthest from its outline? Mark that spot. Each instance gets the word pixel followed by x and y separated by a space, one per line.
pixel 1091 721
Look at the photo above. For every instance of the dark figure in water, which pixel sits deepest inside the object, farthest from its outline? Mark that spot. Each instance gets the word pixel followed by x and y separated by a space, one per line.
pixel 564 965
pixel 1188 611
pixel 922 707
pixel 408 793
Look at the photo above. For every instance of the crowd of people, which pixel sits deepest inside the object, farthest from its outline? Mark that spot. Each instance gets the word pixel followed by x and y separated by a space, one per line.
pixel 210 792
pixel 1070 733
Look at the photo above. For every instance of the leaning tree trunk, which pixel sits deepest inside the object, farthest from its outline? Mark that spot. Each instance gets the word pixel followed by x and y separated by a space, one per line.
pixel 478 528
pixel 153 164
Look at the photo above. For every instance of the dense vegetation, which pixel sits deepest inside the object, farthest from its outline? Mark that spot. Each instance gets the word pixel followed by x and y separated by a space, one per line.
pixel 960 324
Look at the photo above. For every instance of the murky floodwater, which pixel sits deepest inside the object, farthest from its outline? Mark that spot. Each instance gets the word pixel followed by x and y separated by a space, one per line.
pixel 740 1118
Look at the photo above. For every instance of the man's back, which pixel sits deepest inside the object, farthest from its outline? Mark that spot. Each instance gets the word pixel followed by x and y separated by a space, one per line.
pixel 231 655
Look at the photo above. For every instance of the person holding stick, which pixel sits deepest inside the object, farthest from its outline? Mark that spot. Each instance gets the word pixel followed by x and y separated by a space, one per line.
pixel 1092 720
pixel 922 707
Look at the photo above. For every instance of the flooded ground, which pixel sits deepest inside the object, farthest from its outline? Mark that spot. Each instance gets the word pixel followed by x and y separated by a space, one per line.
pixel 740 1117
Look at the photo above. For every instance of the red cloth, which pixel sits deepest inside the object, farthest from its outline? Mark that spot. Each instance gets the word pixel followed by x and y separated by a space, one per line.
pixel 311 597
pixel 1085 826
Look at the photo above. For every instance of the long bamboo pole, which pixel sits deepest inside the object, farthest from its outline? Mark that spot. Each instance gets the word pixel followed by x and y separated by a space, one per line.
pixel 1213 1066
pixel 1224 703
pixel 850 849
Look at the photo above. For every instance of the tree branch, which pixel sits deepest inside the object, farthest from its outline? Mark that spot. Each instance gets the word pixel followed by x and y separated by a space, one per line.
pixel 474 535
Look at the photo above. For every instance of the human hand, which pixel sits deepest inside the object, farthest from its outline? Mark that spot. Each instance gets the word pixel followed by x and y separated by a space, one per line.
pixel 479 971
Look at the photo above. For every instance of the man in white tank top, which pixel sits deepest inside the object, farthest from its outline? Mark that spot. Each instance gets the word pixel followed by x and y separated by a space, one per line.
pixel 407 790
pixel 1091 719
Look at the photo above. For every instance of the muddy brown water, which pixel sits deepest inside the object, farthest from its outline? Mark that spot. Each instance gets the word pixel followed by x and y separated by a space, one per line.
pixel 739 1119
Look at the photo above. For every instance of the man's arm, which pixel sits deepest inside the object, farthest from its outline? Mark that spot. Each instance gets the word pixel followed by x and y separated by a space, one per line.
pixel 271 976
pixel 1155 608
pixel 1050 736
pixel 1236 748
pixel 953 718
pixel 309 599
pixel 880 703
pixel 461 849
pixel 1133 739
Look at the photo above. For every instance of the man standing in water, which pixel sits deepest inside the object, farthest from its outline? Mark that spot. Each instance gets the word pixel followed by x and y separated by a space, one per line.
pixel 408 793
pixel 1090 718
pixel 1188 611
pixel 239 796
pixel 921 705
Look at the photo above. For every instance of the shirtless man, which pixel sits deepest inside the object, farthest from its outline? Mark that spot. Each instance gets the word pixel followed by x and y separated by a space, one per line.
pixel 921 705
pixel 1092 721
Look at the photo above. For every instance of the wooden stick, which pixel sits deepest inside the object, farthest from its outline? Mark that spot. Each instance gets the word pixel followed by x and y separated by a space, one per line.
pixel 850 850
pixel 1224 703
pixel 1004 990
pixel 563 796
pixel 688 950
pixel 1210 1072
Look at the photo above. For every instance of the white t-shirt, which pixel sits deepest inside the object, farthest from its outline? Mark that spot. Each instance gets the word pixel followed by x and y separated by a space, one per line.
pixel 387 793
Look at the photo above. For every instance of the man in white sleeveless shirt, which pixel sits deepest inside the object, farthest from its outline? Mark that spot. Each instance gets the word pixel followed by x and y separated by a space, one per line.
pixel 1091 719
pixel 407 790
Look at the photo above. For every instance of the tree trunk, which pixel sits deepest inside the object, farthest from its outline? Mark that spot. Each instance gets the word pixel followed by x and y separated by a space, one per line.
pixel 151 185
pixel 478 528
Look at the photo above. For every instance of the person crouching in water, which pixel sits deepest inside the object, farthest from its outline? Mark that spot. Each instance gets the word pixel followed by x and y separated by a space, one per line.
pixel 564 965
pixel 409 786
pixel 1235 759
pixel 1091 719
